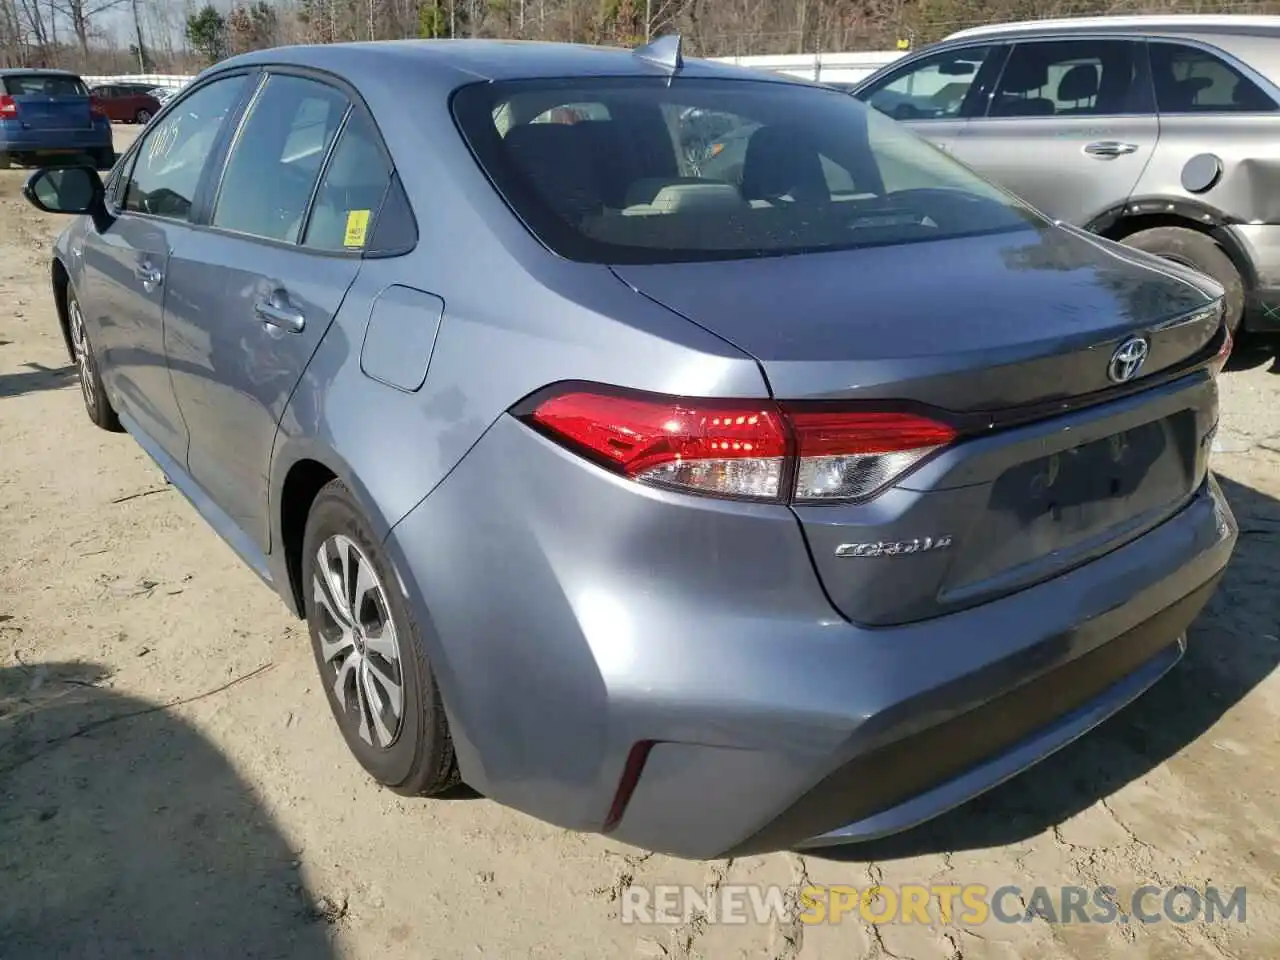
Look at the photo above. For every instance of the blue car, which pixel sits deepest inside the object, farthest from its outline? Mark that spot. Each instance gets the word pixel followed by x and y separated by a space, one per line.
pixel 44 113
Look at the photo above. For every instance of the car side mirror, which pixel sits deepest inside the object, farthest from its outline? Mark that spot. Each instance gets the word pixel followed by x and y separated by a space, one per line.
pixel 65 190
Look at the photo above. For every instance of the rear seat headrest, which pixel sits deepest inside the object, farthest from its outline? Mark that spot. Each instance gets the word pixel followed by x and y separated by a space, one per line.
pixel 557 159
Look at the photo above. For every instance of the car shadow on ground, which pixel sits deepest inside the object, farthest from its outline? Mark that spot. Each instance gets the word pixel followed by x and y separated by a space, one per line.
pixel 1252 351
pixel 1227 656
pixel 35 378
pixel 125 833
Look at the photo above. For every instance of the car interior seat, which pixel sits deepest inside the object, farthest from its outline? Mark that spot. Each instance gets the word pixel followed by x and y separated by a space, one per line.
pixel 1179 95
pixel 557 161
pixel 1077 85
pixel 780 162
pixel 1022 78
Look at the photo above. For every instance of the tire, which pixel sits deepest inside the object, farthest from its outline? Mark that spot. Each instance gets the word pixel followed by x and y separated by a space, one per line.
pixel 94 394
pixel 6 161
pixel 1198 251
pixel 104 159
pixel 411 753
pixel 143 116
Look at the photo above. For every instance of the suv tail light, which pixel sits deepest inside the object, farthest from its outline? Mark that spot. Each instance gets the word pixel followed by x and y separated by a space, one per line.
pixel 96 109
pixel 744 449
pixel 1224 351
pixel 8 106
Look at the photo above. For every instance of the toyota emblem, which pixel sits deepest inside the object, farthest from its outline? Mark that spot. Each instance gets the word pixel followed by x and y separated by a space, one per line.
pixel 1128 359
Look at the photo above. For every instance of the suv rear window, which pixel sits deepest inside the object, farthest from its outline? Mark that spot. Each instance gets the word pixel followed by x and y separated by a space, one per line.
pixel 636 170
pixel 44 85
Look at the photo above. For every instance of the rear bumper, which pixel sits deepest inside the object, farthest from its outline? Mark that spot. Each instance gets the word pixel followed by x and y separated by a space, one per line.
pixel 36 141
pixel 570 616
pixel 922 776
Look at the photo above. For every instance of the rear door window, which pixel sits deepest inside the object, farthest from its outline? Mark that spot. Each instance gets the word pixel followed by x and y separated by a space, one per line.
pixel 351 191
pixel 1192 80
pixel 276 158
pixel 1070 78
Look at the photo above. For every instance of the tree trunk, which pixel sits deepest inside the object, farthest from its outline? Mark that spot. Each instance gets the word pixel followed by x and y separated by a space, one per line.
pixel 137 32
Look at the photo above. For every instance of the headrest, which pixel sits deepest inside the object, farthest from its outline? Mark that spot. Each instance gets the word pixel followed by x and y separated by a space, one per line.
pixel 1079 83
pixel 781 161
pixel 557 160
pixel 1183 92
pixel 1023 76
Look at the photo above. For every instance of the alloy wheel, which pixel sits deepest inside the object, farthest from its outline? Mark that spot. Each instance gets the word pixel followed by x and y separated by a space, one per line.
pixel 358 641
pixel 84 358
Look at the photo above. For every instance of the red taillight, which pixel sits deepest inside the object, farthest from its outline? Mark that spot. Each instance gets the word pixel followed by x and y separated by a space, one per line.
pixel 96 108
pixel 1224 352
pixel 751 449
pixel 734 448
pixel 8 106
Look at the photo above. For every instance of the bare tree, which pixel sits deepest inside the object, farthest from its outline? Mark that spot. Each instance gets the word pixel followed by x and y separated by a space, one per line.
pixel 81 14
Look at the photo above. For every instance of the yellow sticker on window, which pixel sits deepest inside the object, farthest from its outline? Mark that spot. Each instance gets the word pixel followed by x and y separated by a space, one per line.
pixel 357 227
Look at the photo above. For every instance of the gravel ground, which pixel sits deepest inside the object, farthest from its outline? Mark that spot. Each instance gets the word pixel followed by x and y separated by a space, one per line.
pixel 171 783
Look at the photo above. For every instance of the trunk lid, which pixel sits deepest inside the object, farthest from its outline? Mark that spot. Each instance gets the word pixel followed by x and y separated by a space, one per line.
pixel 1014 334
pixel 970 324
pixel 50 101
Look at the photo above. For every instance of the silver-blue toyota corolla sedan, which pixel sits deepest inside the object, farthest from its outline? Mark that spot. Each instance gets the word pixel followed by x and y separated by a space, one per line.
pixel 781 508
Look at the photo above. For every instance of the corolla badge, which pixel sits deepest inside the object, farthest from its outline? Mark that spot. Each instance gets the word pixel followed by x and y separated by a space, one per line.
pixel 1128 359
pixel 893 548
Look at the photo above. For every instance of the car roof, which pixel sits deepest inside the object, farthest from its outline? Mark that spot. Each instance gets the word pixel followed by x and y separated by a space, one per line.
pixel 454 62
pixel 1188 24
pixel 43 71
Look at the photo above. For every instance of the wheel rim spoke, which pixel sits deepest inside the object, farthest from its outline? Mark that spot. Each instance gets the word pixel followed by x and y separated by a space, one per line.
pixel 362 705
pixel 393 692
pixel 365 585
pixel 331 604
pixel 332 561
pixel 383 642
pixel 374 702
pixel 344 678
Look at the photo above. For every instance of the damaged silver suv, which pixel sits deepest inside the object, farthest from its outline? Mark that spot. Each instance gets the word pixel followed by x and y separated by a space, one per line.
pixel 1157 131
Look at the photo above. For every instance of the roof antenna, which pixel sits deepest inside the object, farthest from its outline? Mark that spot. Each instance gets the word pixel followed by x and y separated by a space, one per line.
pixel 664 52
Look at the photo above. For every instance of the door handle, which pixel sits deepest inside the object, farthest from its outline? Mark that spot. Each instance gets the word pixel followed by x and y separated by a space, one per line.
pixel 1110 149
pixel 149 275
pixel 277 312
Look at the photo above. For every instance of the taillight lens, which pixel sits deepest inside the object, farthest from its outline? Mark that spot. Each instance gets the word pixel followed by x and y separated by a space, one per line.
pixel 848 455
pixel 8 106
pixel 731 448
pixel 1224 352
pixel 96 109
pixel 747 449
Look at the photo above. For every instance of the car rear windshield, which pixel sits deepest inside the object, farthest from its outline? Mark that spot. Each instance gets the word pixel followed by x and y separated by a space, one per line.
pixel 639 170
pixel 44 85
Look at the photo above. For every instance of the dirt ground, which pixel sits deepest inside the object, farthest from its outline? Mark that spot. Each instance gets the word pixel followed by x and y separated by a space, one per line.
pixel 172 785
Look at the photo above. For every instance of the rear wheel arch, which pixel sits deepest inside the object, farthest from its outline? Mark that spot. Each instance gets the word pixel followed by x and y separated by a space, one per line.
pixel 61 280
pixel 298 477
pixel 1191 233
pixel 1148 213
pixel 304 481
